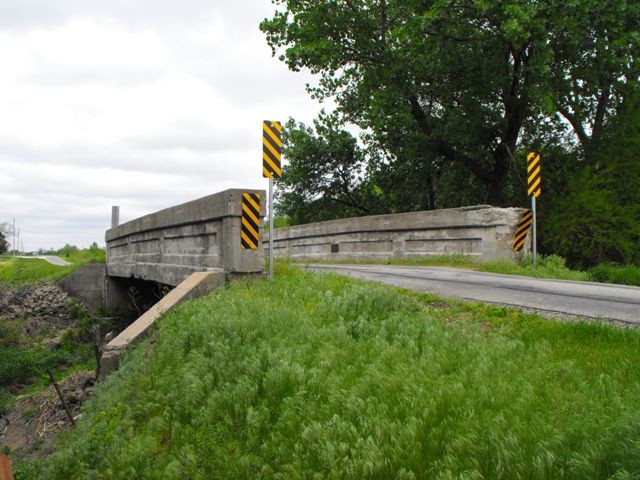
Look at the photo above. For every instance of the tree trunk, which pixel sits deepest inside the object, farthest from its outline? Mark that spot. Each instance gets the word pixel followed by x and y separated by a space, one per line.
pixel 498 176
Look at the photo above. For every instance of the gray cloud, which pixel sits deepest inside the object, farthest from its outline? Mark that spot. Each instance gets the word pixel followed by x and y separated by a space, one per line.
pixel 142 104
pixel 170 13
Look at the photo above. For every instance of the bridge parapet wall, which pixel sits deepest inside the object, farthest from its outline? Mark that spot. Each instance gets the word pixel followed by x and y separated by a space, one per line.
pixel 481 231
pixel 169 245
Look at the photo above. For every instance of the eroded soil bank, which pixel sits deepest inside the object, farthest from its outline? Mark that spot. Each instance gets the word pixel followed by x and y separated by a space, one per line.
pixel 40 327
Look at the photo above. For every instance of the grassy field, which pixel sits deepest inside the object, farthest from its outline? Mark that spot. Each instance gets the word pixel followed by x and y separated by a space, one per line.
pixel 320 376
pixel 28 270
pixel 551 266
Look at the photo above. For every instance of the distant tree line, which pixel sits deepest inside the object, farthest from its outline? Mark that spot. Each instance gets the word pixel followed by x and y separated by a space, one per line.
pixel 450 97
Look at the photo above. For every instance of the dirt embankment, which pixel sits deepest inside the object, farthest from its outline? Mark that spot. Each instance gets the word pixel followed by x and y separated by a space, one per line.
pixel 29 429
pixel 37 317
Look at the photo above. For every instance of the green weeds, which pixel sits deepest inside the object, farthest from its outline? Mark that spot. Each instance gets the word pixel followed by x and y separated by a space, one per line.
pixel 610 273
pixel 24 359
pixel 320 376
pixel 550 266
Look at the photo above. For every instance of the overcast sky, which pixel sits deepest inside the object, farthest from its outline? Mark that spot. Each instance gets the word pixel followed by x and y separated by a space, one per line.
pixel 143 104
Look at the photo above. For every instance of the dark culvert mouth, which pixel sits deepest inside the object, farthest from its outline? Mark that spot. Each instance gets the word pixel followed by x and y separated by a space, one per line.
pixel 132 297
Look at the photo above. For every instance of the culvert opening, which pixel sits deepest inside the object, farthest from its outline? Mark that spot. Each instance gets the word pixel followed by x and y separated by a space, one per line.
pixel 132 297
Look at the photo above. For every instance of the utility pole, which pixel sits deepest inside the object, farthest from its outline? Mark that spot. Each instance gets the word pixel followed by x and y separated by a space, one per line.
pixel 14 235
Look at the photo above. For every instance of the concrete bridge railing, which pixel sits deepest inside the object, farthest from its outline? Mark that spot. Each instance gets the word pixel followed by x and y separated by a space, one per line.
pixel 169 245
pixel 481 231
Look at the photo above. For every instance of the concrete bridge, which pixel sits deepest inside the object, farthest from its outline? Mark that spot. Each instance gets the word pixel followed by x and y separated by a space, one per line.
pixel 204 236
pixel 162 249
pixel 193 248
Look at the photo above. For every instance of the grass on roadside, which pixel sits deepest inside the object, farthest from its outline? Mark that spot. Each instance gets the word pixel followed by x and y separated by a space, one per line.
pixel 32 270
pixel 610 273
pixel 550 266
pixel 321 376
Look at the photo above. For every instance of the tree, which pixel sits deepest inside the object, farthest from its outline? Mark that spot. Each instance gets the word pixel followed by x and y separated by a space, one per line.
pixel 6 230
pixel 330 175
pixel 324 176
pixel 597 219
pixel 4 246
pixel 468 79
pixel 67 250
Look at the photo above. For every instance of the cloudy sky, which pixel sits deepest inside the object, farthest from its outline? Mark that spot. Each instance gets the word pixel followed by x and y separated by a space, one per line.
pixel 143 104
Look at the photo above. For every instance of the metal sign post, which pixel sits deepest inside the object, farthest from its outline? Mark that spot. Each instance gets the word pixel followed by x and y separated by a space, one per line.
pixel 271 168
pixel 533 180
pixel 271 229
pixel 533 231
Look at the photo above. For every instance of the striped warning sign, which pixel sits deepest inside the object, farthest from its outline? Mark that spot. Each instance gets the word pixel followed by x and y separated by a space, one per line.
pixel 271 149
pixel 533 174
pixel 250 232
pixel 522 230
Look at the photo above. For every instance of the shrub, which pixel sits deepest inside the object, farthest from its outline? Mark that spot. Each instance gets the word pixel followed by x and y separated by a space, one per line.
pixel 17 366
pixel 611 273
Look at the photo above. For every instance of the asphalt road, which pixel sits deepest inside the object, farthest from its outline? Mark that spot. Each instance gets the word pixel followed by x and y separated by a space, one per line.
pixel 555 297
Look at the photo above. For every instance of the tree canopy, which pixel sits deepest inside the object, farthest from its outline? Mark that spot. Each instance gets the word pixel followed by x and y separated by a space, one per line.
pixel 466 82
pixel 322 178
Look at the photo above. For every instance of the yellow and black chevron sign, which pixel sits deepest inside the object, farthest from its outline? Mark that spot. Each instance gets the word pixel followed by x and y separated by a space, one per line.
pixel 521 231
pixel 533 174
pixel 250 232
pixel 271 149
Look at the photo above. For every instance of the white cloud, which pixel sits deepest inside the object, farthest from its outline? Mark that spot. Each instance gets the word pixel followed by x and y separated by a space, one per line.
pixel 140 104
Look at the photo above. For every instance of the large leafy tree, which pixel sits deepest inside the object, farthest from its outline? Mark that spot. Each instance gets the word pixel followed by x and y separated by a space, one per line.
pixel 324 177
pixel 329 175
pixel 470 80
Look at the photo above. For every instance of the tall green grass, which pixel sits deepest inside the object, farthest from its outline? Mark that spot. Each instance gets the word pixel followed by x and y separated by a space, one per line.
pixel 319 376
